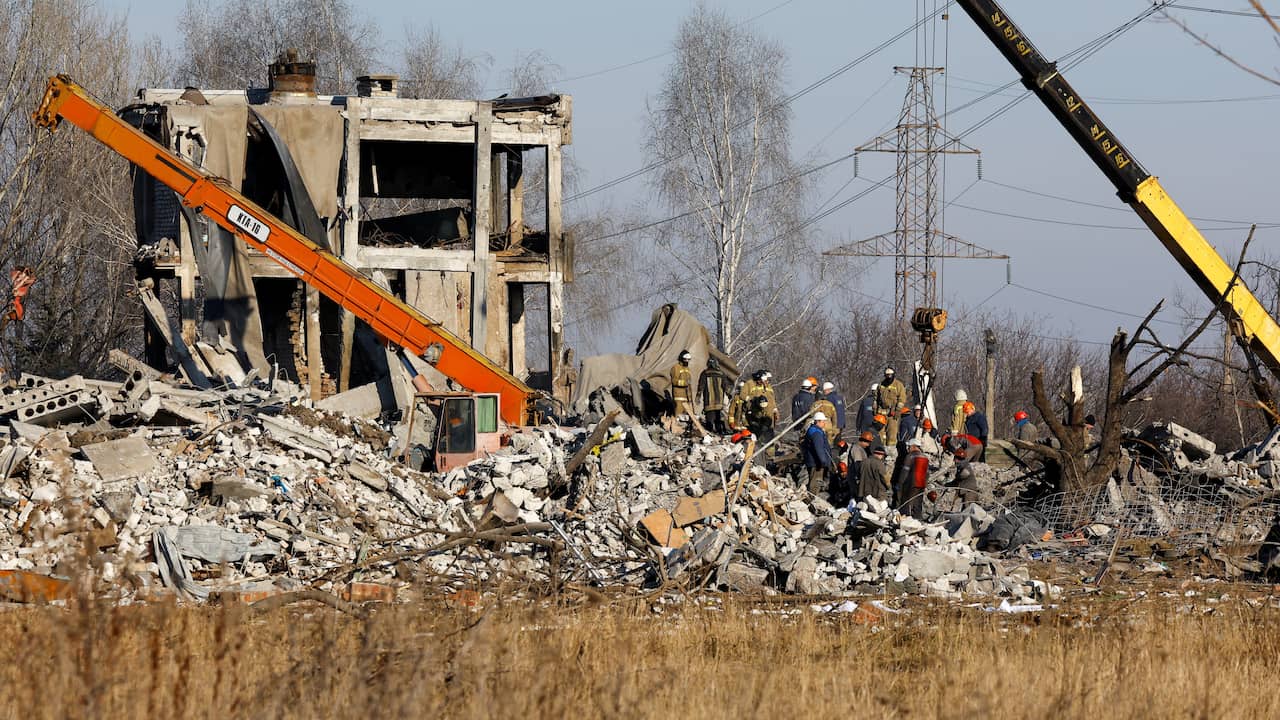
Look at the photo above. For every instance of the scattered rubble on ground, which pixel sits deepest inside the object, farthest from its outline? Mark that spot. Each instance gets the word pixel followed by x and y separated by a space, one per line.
pixel 247 492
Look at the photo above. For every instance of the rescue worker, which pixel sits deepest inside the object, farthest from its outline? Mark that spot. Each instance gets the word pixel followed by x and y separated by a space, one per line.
pixel 1023 428
pixel 837 401
pixel 965 480
pixel 965 449
pixel 909 426
pixel 928 436
pixel 760 418
pixel 866 410
pixel 858 454
pixel 816 450
pixel 737 407
pixel 891 397
pixel 878 424
pixel 975 424
pixel 957 413
pixel 766 380
pixel 912 479
pixel 873 476
pixel 711 391
pixel 803 399
pixel 681 386
pixel 824 406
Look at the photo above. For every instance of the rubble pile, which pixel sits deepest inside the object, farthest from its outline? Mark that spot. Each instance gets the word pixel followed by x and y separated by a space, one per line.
pixel 251 490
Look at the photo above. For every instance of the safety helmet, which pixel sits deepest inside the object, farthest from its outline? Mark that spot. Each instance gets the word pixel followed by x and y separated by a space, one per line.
pixel 888 372
pixel 866 437
pixel 828 387
pixel 713 363
pixel 968 407
pixel 928 424
pixel 813 381
pixel 758 376
pixel 819 416
pixel 767 375
pixel 906 411
pixel 916 407
pixel 961 396
pixel 806 384
pixel 880 419
pixel 874 386
pixel 1020 416
pixel 913 442
pixel 685 356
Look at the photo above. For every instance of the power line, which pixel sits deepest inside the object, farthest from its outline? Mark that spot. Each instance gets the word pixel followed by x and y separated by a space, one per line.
pixel 1219 11
pixel 1125 210
pixel 1100 100
pixel 786 101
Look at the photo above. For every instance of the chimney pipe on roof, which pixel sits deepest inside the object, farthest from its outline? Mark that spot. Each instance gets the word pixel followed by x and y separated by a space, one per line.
pixel 377 86
pixel 290 79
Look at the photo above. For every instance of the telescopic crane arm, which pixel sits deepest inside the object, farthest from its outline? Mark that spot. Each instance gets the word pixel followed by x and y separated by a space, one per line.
pixel 393 320
pixel 1248 318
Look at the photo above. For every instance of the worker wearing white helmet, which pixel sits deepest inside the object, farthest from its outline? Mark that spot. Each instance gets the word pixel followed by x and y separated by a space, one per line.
pixel 816 451
pixel 837 401
pixel 802 400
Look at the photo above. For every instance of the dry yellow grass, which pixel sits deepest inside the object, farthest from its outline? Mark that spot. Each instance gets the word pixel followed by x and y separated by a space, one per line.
pixel 626 660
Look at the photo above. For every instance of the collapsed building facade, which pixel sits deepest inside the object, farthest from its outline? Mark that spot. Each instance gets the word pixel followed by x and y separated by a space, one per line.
pixel 453 205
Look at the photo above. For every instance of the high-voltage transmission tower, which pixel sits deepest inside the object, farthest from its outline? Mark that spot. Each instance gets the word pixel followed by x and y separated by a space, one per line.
pixel 917 243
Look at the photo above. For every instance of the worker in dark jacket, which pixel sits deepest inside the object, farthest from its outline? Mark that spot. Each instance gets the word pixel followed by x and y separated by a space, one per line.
pixel 816 450
pixel 802 400
pixel 837 401
pixel 912 479
pixel 975 424
pixel 712 387
pixel 873 477
pixel 866 411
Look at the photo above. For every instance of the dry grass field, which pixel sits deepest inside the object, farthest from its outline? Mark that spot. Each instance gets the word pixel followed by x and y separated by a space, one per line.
pixel 1092 658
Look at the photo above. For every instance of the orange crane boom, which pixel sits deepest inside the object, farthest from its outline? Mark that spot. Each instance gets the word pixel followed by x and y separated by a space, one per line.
pixel 393 320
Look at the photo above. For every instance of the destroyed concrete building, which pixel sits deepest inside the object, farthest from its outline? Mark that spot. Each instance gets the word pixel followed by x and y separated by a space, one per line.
pixel 432 198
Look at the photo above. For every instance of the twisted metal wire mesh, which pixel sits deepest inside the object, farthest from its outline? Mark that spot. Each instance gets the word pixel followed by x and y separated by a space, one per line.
pixel 1179 509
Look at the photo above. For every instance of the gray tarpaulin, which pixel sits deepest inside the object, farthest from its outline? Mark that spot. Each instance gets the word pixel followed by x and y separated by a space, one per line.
pixel 670 331
pixel 231 305
pixel 209 543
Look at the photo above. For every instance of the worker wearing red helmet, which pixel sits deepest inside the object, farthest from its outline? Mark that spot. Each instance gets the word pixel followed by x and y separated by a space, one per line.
pixel 1023 428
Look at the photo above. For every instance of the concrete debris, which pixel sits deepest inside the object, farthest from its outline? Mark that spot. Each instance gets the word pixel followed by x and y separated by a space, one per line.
pixel 245 492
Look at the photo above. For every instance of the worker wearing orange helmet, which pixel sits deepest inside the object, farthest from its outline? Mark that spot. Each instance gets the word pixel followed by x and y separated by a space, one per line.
pixel 975 424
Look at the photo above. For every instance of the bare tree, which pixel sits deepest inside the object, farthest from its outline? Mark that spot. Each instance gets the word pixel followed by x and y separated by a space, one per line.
pixel 230 45
pixel 720 128
pixel 1272 76
pixel 64 199
pixel 432 68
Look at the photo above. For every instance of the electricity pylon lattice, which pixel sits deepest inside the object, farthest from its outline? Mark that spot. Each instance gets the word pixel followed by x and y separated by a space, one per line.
pixel 917 242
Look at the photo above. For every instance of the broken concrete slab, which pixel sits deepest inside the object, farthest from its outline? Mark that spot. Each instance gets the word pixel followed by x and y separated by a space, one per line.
pixel 122 459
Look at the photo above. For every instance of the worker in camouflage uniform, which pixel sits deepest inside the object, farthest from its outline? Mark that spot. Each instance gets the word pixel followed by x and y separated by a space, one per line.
pixel 711 391
pixel 828 410
pixel 891 397
pixel 681 387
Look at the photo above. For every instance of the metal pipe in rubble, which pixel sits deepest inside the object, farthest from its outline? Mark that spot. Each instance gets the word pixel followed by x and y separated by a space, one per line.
pixel 420 382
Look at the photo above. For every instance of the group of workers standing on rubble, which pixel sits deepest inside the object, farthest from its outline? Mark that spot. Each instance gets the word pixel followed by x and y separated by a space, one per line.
pixel 893 444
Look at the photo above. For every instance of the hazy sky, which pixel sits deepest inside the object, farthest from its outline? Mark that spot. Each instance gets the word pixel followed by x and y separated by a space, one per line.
pixel 1206 128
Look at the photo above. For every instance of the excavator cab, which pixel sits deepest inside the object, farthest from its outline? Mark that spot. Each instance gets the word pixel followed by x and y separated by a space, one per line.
pixel 457 427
